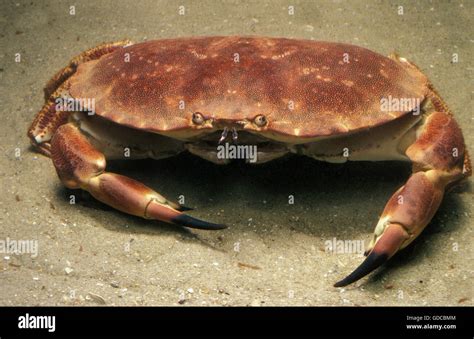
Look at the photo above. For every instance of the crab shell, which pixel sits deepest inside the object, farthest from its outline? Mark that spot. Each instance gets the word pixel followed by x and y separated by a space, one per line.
pixel 305 89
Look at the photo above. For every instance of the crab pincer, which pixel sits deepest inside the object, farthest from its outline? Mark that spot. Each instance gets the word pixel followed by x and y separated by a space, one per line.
pixel 80 165
pixel 411 207
pixel 388 244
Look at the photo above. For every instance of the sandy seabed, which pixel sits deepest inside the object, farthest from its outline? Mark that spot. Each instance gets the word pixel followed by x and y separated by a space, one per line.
pixel 273 253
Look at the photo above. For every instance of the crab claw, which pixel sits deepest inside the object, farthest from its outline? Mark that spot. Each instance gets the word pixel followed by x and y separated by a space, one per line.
pixel 405 216
pixel 171 212
pixel 164 212
pixel 386 245
pixel 188 221
pixel 183 208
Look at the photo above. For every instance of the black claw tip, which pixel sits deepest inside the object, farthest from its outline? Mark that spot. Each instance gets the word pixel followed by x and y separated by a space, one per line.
pixel 183 208
pixel 373 261
pixel 188 221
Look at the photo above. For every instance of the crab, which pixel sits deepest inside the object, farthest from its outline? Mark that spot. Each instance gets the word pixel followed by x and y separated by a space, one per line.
pixel 330 101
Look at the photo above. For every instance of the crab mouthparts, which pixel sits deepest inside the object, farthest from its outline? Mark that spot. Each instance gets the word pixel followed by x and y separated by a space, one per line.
pixel 235 135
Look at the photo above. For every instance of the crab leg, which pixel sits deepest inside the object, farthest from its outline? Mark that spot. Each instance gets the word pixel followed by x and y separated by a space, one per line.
pixel 80 165
pixel 439 160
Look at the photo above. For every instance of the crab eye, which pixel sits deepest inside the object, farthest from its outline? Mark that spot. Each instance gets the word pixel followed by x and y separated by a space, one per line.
pixel 198 119
pixel 260 120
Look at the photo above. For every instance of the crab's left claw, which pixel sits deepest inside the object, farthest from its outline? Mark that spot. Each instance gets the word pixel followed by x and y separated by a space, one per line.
pixel 405 216
pixel 440 160
pixel 385 247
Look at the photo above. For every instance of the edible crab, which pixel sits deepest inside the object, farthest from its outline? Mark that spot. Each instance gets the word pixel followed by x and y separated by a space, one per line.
pixel 330 101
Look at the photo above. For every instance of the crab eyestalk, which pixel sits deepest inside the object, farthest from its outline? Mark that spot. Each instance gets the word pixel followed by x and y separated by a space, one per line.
pixel 223 135
pixel 235 135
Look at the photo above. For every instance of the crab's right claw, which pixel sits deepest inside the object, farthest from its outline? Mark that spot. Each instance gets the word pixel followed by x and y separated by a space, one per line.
pixel 386 246
pixel 170 212
pixel 159 208
pixel 135 196
pixel 80 165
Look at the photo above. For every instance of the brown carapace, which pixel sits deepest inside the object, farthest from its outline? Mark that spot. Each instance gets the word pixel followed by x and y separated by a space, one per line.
pixel 331 101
